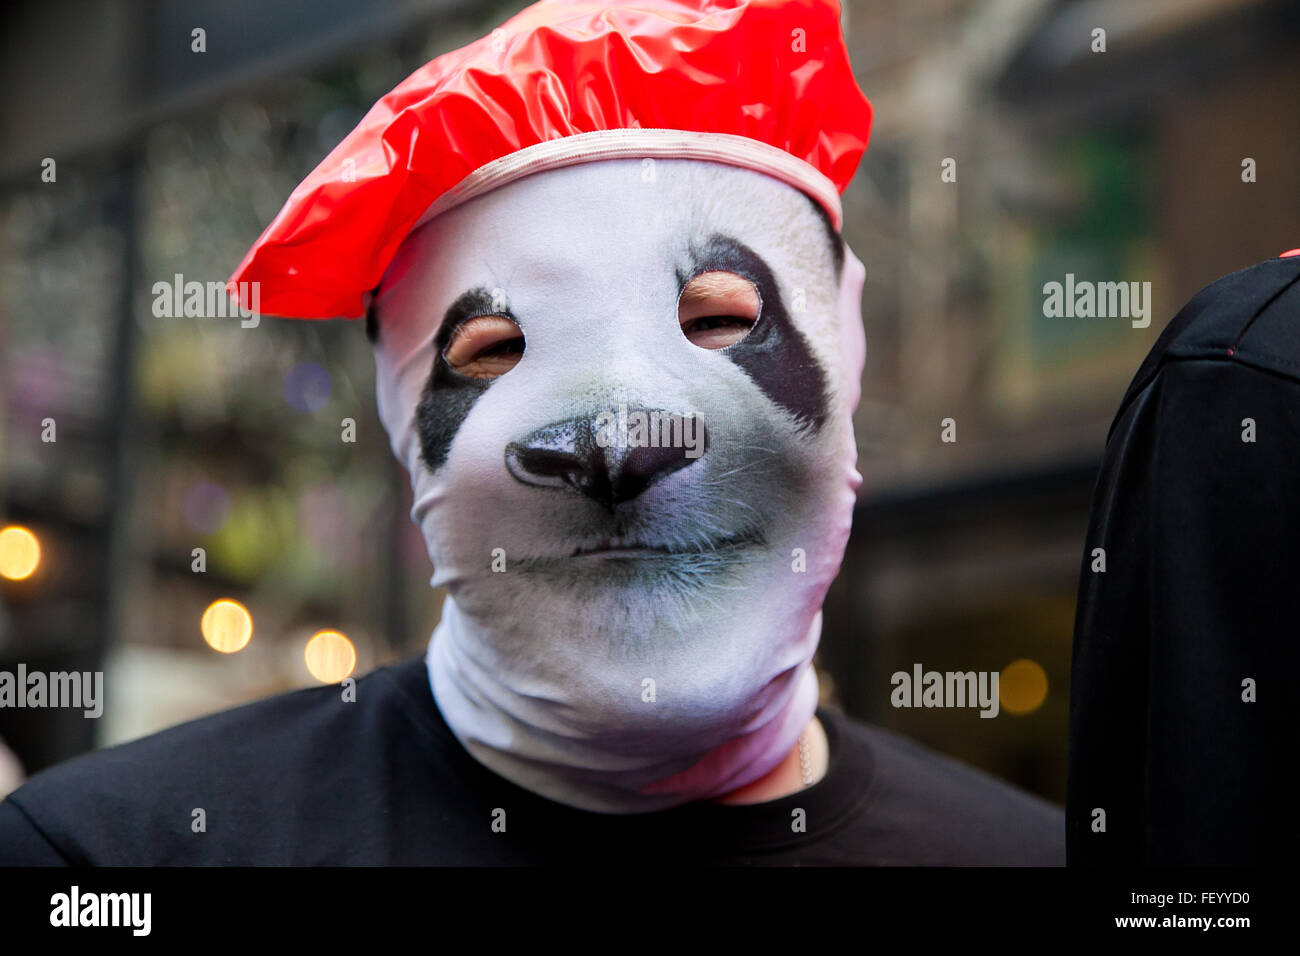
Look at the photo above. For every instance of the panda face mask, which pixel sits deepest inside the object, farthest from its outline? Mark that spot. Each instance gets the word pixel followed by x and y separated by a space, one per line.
pixel 623 390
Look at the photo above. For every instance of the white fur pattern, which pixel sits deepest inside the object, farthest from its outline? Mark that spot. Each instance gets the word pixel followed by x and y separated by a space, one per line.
pixel 541 670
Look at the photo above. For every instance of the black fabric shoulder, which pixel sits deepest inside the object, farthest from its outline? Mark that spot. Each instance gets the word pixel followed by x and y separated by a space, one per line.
pixel 1184 630
pixel 1223 321
pixel 21 841
pixel 186 793
pixel 946 812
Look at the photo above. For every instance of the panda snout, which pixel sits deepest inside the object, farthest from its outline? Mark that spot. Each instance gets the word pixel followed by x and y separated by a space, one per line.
pixel 610 458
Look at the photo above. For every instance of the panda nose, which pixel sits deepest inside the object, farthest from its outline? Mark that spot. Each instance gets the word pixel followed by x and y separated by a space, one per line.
pixel 575 454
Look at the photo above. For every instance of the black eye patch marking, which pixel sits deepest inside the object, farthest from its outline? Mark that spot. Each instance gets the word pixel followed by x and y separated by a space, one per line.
pixel 774 353
pixel 448 395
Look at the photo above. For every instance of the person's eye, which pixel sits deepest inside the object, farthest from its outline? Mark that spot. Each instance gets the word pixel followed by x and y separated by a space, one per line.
pixel 485 346
pixel 717 309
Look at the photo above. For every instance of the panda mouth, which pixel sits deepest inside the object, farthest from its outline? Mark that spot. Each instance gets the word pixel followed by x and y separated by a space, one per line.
pixel 623 548
pixel 616 547
pixel 687 562
pixel 608 549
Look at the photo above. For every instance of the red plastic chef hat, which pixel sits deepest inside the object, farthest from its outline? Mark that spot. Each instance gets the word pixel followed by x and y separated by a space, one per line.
pixel 764 84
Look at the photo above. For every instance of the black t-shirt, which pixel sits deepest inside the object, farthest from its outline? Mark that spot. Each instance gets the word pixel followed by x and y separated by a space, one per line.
pixel 308 778
pixel 1184 647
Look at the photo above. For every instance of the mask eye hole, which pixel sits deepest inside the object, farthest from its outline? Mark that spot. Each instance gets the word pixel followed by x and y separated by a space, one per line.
pixel 717 309
pixel 486 346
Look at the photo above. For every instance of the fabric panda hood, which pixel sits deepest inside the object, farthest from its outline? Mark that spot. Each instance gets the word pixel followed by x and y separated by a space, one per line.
pixel 631 611
pixel 627 628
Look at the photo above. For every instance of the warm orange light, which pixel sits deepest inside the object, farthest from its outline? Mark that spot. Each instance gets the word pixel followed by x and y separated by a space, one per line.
pixel 330 657
pixel 227 626
pixel 20 553
pixel 1022 688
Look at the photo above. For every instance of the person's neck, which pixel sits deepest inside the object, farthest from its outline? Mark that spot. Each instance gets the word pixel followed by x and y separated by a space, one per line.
pixel 787 776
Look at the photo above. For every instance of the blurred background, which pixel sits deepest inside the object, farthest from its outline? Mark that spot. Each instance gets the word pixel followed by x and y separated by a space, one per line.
pixel 177 508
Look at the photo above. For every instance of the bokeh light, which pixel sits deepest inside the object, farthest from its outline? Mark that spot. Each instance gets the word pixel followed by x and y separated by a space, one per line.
pixel 20 553
pixel 307 386
pixel 206 506
pixel 322 519
pixel 1022 688
pixel 227 626
pixel 330 657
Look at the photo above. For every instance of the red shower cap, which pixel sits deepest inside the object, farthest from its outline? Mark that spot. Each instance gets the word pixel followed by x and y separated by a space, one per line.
pixel 764 84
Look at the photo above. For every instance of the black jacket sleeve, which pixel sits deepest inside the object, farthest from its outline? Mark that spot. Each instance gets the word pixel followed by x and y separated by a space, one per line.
pixel 21 843
pixel 1184 637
